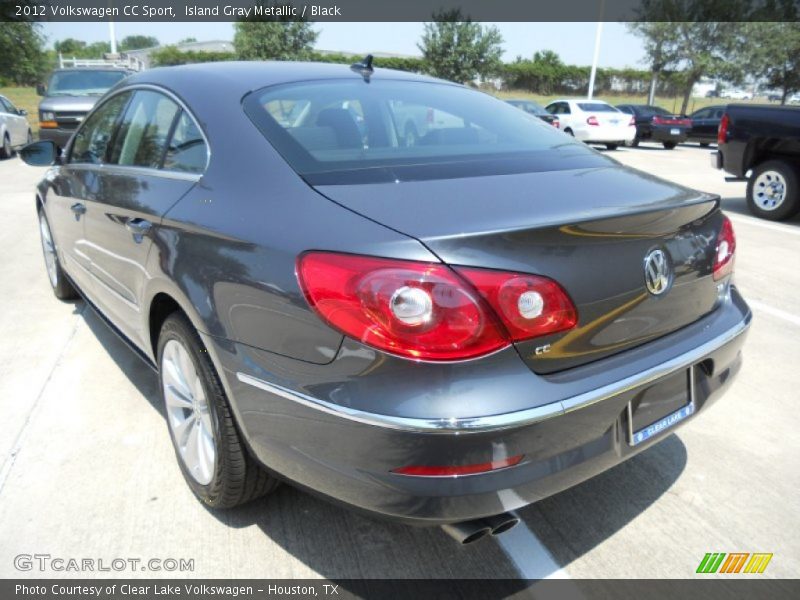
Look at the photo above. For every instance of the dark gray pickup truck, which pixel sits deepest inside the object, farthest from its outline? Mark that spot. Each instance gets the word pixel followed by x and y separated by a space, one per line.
pixel 761 144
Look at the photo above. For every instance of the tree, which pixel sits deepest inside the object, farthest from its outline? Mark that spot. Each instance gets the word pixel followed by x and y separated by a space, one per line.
pixel 771 51
pixel 460 50
pixel 274 40
pixel 71 47
pixel 187 40
pixel 22 57
pixel 659 44
pixel 137 42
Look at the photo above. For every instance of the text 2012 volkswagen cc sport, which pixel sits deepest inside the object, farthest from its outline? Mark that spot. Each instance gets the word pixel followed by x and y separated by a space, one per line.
pixel 439 328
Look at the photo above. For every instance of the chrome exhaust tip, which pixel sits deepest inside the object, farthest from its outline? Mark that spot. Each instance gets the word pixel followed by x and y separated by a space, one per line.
pixel 467 532
pixel 502 523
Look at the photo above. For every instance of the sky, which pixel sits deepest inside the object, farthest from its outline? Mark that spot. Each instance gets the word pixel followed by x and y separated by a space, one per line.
pixel 574 42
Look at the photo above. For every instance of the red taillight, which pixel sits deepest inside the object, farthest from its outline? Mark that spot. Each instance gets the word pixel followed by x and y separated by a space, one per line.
pixel 456 470
pixel 722 132
pixel 592 121
pixel 556 123
pixel 632 122
pixel 426 310
pixel 724 250
pixel 656 120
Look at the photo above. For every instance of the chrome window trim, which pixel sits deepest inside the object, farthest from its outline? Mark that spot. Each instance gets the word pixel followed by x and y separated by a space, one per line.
pixel 510 420
pixel 130 169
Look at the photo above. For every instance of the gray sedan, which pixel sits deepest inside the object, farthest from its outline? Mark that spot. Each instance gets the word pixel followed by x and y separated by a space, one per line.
pixel 437 333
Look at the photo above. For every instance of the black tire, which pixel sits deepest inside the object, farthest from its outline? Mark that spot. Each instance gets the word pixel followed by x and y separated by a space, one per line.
pixel 669 145
pixel 705 144
pixel 568 131
pixel 757 196
pixel 612 146
pixel 59 283
pixel 237 478
pixel 5 148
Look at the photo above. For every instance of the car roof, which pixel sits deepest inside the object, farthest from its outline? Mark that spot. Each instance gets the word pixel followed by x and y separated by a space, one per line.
pixel 241 77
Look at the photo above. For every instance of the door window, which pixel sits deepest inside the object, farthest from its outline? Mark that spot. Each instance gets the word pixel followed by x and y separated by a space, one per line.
pixel 142 136
pixel 91 140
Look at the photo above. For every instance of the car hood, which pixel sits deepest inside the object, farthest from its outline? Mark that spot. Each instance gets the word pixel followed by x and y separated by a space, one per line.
pixel 69 103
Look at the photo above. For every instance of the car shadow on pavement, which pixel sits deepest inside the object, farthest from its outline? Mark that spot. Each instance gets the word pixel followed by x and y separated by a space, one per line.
pixel 339 543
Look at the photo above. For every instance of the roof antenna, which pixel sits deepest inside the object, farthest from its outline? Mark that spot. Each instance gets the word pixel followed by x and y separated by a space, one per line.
pixel 364 68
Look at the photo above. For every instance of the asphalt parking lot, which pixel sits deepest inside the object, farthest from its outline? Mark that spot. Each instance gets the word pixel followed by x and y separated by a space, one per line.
pixel 88 469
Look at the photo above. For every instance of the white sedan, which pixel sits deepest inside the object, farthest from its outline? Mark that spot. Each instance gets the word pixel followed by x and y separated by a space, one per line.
pixel 594 121
pixel 14 129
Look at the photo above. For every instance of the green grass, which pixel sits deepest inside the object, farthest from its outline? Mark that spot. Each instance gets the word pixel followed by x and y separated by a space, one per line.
pixel 25 97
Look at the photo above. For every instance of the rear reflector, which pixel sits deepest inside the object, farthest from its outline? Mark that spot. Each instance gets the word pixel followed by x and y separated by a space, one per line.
pixel 456 470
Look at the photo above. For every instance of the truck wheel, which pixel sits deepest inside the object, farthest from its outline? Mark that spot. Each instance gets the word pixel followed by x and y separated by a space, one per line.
pixel 670 145
pixel 773 191
pixel 211 455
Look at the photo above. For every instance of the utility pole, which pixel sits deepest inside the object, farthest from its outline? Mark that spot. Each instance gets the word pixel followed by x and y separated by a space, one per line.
pixel 596 58
pixel 113 37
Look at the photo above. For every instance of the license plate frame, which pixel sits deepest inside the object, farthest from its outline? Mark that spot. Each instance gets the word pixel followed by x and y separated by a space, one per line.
pixel 667 422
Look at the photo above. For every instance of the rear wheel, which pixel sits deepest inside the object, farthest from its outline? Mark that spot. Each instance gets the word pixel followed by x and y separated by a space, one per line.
pixel 773 191
pixel 62 288
pixel 568 131
pixel 705 144
pixel 5 148
pixel 212 458
pixel 669 145
pixel 612 146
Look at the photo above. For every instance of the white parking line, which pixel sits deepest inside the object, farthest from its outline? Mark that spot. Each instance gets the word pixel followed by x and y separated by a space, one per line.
pixel 775 312
pixel 763 224
pixel 529 555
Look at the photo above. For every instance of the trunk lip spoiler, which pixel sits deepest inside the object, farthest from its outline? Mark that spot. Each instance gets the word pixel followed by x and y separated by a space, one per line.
pixel 514 419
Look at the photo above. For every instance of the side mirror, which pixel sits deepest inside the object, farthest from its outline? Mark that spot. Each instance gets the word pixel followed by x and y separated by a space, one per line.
pixel 22 112
pixel 40 89
pixel 40 154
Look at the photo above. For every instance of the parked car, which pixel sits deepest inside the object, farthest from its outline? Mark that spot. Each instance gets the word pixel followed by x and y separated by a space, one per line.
pixel 712 94
pixel 655 124
pixel 537 110
pixel 398 328
pixel 705 123
pixel 69 95
pixel 594 122
pixel 15 131
pixel 761 144
pixel 736 95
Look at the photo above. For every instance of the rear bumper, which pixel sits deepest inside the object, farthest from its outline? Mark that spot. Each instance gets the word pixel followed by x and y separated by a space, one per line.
pixel 348 454
pixel 606 134
pixel 664 134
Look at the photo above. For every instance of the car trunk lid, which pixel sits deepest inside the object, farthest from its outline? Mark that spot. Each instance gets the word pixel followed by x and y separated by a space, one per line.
pixel 589 229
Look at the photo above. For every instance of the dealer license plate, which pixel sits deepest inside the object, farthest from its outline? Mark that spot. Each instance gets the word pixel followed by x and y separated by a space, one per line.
pixel 661 406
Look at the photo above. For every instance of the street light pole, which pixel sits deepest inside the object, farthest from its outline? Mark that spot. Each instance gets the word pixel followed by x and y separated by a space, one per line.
pixel 596 58
pixel 113 37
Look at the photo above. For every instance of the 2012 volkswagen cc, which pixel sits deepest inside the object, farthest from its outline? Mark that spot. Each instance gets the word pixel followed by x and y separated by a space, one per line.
pixel 437 328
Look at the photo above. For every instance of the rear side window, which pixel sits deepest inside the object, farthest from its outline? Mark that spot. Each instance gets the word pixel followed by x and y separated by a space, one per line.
pixel 596 107
pixel 91 141
pixel 389 130
pixel 144 130
pixel 187 151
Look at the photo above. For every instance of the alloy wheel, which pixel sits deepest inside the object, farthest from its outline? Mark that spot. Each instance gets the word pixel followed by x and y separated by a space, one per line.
pixel 188 412
pixel 49 250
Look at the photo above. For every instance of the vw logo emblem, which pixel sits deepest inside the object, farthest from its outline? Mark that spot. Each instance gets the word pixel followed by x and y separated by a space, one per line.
pixel 657 272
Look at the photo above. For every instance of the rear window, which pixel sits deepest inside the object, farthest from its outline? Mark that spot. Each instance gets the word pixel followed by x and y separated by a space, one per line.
pixel 649 111
pixel 596 107
pixel 349 131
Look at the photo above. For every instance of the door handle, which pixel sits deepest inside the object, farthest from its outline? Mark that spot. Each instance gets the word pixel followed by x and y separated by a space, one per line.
pixel 139 228
pixel 78 209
